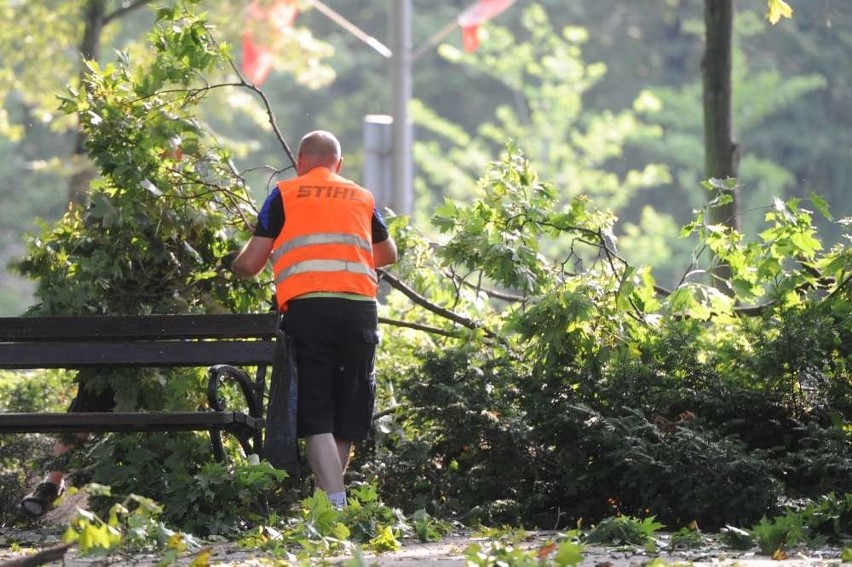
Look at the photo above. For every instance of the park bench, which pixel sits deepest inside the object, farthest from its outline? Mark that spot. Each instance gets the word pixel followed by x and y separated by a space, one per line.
pixel 222 343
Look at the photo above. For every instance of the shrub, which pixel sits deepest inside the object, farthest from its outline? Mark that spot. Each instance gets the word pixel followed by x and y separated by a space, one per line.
pixel 204 497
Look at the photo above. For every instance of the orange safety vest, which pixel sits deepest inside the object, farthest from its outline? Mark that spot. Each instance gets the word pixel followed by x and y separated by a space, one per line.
pixel 326 244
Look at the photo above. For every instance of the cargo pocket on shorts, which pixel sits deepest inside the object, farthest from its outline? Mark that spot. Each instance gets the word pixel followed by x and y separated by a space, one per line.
pixel 371 338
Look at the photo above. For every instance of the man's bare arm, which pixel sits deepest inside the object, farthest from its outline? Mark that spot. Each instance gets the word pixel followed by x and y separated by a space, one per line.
pixel 384 252
pixel 253 257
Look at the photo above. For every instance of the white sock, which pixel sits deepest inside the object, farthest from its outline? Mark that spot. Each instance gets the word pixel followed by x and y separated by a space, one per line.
pixel 338 499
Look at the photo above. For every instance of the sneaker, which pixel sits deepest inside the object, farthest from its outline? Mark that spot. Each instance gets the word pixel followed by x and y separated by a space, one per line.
pixel 40 500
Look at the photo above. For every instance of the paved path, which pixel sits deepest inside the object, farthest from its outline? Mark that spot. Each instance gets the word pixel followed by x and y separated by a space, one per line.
pixel 17 544
pixel 447 553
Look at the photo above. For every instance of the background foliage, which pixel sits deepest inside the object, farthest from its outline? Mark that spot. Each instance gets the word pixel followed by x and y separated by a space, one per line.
pixel 628 86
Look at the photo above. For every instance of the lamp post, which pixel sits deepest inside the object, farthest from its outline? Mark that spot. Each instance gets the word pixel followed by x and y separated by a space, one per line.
pixel 400 32
pixel 397 189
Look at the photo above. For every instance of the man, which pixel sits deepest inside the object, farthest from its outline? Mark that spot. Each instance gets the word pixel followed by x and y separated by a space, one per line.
pixel 325 239
pixel 87 399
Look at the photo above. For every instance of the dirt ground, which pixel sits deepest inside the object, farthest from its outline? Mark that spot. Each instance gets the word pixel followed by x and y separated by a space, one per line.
pixel 19 547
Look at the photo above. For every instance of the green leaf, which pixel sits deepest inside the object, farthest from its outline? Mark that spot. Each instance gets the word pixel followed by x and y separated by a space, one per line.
pixel 384 541
pixel 822 206
pixel 569 553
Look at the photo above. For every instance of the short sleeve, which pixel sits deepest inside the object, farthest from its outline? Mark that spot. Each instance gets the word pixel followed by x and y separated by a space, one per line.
pixel 270 219
pixel 380 229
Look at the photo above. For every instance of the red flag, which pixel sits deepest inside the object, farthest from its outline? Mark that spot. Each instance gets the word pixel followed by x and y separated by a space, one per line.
pixel 257 60
pixel 470 38
pixel 269 22
pixel 477 14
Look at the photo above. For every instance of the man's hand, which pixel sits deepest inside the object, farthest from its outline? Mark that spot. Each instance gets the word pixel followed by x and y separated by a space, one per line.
pixel 253 257
pixel 228 259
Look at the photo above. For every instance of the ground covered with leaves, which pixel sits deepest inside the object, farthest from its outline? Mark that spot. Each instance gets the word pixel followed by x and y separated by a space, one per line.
pixel 71 535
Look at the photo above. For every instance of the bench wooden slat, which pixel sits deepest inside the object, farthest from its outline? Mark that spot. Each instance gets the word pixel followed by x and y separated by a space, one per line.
pixel 124 421
pixel 134 354
pixel 114 327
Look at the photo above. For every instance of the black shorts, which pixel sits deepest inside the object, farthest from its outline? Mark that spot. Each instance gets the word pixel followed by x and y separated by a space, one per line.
pixel 335 343
pixel 92 398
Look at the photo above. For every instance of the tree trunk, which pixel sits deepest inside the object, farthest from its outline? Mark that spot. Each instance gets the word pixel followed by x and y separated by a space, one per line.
pixel 721 153
pixel 90 50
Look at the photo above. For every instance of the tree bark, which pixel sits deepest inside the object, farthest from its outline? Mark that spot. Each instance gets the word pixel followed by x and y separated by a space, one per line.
pixel 721 153
pixel 90 50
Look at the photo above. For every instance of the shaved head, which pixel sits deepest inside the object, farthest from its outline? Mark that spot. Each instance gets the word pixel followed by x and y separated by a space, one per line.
pixel 319 149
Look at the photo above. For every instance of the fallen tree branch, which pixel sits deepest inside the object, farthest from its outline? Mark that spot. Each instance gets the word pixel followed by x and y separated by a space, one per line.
pixel 419 327
pixel 418 299
pixel 55 553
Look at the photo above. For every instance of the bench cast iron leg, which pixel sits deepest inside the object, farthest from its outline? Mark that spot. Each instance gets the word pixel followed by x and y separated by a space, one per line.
pixel 248 437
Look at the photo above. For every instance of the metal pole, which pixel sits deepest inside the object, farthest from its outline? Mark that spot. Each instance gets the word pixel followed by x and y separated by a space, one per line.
pixel 403 202
pixel 378 159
